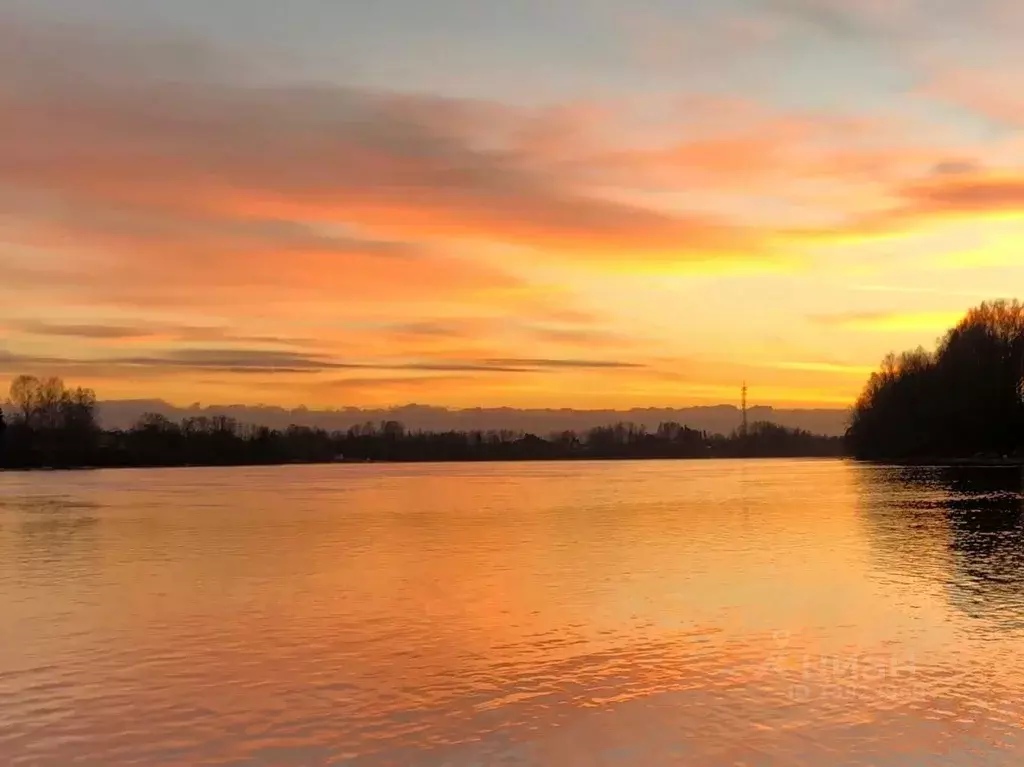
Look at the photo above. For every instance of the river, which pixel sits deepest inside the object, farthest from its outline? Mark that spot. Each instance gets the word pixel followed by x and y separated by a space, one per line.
pixel 620 613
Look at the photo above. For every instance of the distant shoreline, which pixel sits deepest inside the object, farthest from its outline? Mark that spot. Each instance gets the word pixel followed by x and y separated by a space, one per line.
pixel 52 427
pixel 904 463
pixel 561 459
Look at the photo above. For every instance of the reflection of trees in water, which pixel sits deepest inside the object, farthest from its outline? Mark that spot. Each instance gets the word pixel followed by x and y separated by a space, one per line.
pixel 963 526
pixel 987 523
pixel 908 538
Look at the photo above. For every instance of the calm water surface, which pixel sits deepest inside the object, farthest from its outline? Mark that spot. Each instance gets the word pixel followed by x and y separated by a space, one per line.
pixel 654 613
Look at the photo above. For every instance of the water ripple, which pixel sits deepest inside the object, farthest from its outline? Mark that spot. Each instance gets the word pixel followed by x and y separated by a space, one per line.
pixel 690 613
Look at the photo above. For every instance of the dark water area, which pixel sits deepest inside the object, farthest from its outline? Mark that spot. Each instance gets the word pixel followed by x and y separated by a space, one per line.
pixel 811 612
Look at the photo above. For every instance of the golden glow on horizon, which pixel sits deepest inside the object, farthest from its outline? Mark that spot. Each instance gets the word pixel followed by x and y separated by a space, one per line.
pixel 935 322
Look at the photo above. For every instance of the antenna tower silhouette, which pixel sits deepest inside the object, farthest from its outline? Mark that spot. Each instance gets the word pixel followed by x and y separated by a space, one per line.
pixel 744 407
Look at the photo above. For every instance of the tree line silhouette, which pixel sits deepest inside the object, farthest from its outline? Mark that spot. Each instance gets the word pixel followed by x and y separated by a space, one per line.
pixel 964 400
pixel 50 425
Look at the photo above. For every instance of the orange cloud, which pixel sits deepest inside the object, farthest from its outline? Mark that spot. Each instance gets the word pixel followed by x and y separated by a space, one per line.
pixel 162 138
pixel 87 126
pixel 963 194
pixel 129 257
pixel 957 191
pixel 993 93
pixel 780 156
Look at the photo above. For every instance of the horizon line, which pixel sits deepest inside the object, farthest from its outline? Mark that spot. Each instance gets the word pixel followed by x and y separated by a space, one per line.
pixel 452 409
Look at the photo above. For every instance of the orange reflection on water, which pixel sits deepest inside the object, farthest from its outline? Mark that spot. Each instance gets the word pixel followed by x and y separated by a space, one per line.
pixel 705 612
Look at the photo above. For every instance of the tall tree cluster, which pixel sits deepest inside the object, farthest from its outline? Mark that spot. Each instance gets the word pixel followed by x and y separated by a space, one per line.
pixel 49 424
pixel 962 400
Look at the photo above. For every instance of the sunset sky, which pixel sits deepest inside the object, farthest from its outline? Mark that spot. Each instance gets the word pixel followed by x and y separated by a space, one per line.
pixel 534 203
